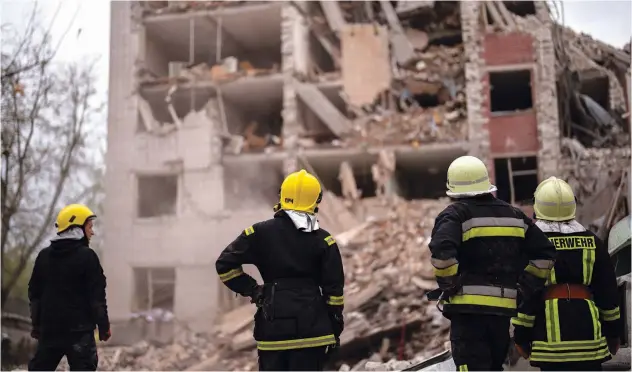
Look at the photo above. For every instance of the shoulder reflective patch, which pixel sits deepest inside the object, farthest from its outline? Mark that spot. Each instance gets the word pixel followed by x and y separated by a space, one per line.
pixel 249 231
pixel 573 242
pixel 330 240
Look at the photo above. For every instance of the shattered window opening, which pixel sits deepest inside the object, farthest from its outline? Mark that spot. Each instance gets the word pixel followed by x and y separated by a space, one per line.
pixel 597 88
pixel 516 179
pixel 252 185
pixel 154 288
pixel 425 183
pixel 510 91
pixel 427 100
pixel 183 101
pixel 157 195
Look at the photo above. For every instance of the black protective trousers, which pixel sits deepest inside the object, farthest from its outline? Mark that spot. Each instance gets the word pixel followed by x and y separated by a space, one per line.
pixel 79 348
pixel 479 342
pixel 308 359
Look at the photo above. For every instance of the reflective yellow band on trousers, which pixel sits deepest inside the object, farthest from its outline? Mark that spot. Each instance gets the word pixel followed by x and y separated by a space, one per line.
pixel 231 274
pixel 610 315
pixel 336 300
pixel 569 345
pixel 463 367
pixel 594 312
pixel 481 232
pixel 509 303
pixel 552 320
pixel 570 351
pixel 297 344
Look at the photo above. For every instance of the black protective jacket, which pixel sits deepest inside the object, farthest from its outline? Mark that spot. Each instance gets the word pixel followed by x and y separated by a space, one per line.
pixel 573 330
pixel 488 257
pixel 67 290
pixel 302 299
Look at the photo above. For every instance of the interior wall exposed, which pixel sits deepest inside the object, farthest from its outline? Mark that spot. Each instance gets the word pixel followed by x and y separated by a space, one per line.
pixel 183 100
pixel 328 174
pixel 598 89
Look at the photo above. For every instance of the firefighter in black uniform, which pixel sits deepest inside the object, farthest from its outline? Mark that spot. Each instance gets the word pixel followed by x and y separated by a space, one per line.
pixel 489 259
pixel 576 325
pixel 67 296
pixel 299 316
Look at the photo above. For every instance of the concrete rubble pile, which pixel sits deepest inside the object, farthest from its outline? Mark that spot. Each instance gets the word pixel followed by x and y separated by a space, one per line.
pixel 187 350
pixel 387 268
pixel 425 100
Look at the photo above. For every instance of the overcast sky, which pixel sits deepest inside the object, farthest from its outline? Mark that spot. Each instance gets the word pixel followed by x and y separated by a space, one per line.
pixel 608 21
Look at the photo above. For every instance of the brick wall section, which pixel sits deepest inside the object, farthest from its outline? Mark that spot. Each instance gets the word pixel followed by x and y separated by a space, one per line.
pixel 507 49
pixel 478 134
pixel 513 133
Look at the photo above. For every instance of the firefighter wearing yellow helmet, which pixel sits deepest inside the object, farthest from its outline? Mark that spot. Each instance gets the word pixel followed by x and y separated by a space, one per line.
pixel 67 295
pixel 577 324
pixel 478 248
pixel 299 316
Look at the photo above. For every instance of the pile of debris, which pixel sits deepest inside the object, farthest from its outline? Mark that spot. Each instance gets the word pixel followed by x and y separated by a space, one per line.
pixel 185 353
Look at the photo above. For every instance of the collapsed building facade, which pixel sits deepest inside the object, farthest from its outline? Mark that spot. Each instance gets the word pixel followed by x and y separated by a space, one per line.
pixel 212 103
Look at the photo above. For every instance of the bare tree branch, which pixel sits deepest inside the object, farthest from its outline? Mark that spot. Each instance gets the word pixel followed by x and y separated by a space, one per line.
pixel 47 109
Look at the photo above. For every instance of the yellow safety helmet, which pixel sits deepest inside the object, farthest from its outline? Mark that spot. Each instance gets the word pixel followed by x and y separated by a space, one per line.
pixel 73 215
pixel 554 200
pixel 467 176
pixel 300 191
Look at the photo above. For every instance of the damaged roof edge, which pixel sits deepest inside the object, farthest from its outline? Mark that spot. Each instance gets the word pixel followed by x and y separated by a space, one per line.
pixel 247 7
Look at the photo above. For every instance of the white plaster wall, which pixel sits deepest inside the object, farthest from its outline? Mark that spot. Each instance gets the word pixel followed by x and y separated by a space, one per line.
pixel 118 208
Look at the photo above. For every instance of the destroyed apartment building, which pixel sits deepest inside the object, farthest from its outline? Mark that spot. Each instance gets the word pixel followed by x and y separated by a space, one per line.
pixel 212 103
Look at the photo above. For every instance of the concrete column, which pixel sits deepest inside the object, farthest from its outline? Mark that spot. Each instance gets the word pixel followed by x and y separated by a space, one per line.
pixel 478 133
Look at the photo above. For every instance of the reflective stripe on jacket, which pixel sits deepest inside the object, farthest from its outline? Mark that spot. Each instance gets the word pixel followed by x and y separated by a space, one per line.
pixel 481 249
pixel 573 330
pixel 302 298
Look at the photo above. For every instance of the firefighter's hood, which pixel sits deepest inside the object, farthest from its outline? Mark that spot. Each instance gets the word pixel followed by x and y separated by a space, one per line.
pixel 303 221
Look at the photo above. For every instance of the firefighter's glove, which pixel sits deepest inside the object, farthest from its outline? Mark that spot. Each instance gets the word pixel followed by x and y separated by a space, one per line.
pixel 523 350
pixel 256 296
pixel 35 333
pixel 337 324
pixel 613 345
pixel 104 335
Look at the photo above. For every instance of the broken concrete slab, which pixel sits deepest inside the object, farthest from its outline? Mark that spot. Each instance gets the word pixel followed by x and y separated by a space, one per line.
pixel 334 15
pixel 405 7
pixel 234 321
pixel 402 48
pixel 323 108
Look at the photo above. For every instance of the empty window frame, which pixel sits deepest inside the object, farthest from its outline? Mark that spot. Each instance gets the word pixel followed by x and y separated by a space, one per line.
pixel 516 179
pixel 157 195
pixel 154 288
pixel 520 8
pixel 510 91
